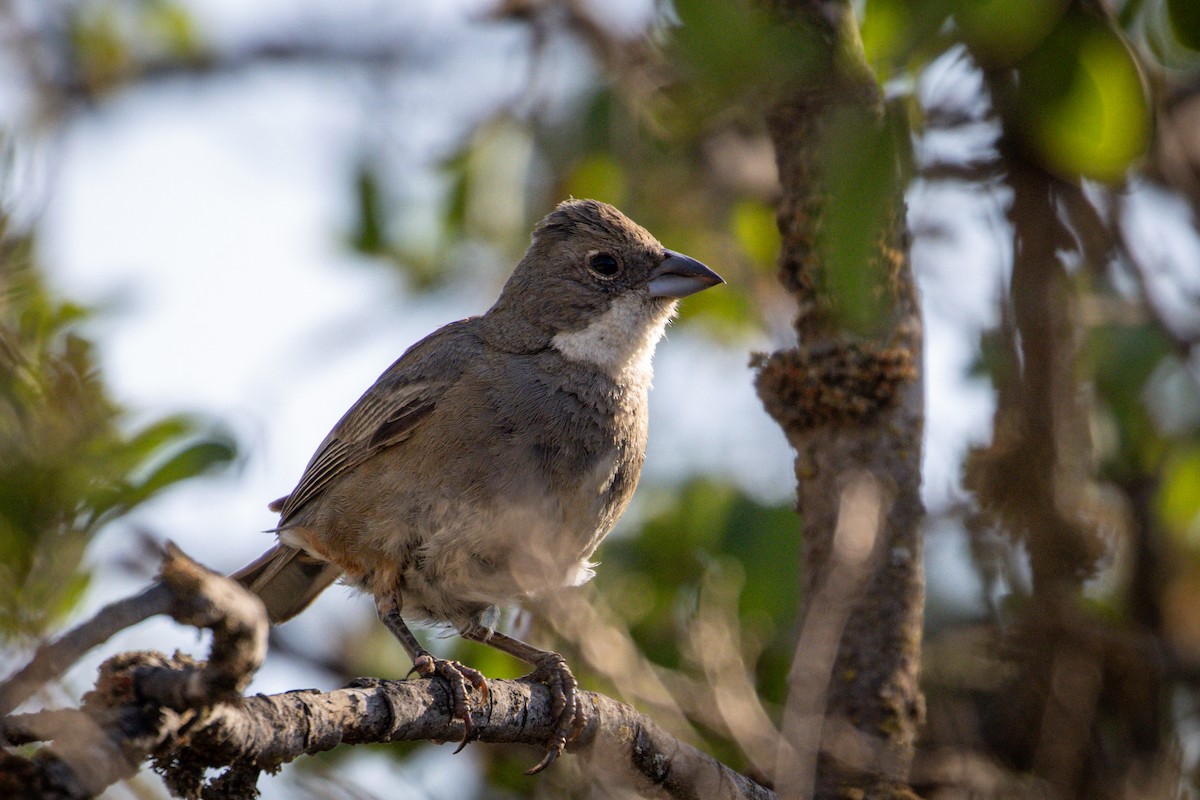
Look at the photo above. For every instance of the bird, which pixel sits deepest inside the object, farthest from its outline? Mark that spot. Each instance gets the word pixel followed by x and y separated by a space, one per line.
pixel 487 463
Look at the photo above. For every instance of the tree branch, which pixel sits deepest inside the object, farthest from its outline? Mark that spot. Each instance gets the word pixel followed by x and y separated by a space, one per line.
pixel 188 593
pixel 187 717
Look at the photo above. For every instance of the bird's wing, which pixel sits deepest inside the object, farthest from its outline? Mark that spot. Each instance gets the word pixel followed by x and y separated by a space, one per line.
pixel 388 413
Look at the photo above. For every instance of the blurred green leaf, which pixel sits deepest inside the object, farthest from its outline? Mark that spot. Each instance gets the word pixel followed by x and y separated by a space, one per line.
pixel 68 464
pixel 725 313
pixel 171 27
pixel 114 40
pixel 194 459
pixel 1121 358
pixel 886 29
pixel 158 434
pixel 102 51
pixel 1080 103
pixel 1185 22
pixel 368 234
pixel 1179 496
pixel 600 177
pixel 756 232
pixel 733 51
pixel 894 30
pixel 1003 31
pixel 708 531
pixel 484 203
pixel 498 164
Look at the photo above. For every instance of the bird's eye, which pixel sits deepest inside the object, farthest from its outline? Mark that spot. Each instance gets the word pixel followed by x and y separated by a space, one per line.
pixel 604 265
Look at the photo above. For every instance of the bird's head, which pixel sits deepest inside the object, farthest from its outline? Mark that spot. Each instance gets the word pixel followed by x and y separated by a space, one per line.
pixel 597 285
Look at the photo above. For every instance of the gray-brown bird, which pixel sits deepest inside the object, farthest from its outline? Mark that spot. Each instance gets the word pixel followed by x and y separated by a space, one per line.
pixel 489 461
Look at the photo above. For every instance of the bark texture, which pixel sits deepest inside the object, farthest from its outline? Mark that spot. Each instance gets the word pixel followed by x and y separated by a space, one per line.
pixel 188 717
pixel 851 403
pixel 250 735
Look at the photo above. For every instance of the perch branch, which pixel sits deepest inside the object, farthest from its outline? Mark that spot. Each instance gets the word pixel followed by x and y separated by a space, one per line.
pixel 188 593
pixel 188 717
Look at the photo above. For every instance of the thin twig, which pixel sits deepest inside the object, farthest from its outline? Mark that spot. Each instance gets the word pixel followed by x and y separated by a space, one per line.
pixel 54 658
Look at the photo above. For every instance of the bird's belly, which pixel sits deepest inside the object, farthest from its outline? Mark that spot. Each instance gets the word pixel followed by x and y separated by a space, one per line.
pixel 454 559
pixel 456 545
pixel 479 558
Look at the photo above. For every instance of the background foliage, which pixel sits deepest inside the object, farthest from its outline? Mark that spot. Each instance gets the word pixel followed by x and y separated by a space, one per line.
pixel 1056 140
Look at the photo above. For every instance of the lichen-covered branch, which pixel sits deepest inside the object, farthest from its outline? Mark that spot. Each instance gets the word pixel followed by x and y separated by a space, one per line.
pixel 250 735
pixel 191 595
pixel 188 717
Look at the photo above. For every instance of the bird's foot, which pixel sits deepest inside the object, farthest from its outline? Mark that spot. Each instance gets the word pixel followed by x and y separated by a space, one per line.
pixel 552 670
pixel 458 676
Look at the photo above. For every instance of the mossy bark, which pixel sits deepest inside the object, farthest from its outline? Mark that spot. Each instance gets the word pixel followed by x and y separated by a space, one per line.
pixel 851 401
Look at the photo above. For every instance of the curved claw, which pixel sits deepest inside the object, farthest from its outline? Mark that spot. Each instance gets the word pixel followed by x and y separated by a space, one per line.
pixel 479 683
pixel 546 761
pixel 468 728
pixel 568 713
pixel 458 676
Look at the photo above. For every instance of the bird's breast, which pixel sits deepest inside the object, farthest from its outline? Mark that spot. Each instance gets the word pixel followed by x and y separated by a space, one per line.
pixel 621 340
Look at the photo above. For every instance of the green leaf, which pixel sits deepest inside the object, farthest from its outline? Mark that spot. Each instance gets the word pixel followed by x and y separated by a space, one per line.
pixel 706 531
pixel 726 313
pixel 894 30
pixel 1000 32
pixel 144 444
pixel 886 29
pixel 756 232
pixel 1179 496
pixel 69 463
pixel 1080 103
pixel 171 27
pixel 600 177
pixel 368 235
pixel 1122 358
pixel 194 459
pixel 1185 22
pixel 102 52
pixel 733 50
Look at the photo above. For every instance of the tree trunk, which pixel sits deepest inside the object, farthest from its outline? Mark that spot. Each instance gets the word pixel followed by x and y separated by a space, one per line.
pixel 849 398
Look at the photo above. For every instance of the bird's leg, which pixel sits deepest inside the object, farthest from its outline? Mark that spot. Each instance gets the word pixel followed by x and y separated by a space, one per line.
pixel 551 669
pixel 426 665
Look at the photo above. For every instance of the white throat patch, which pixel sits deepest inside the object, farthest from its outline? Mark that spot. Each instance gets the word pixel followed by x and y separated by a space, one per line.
pixel 622 339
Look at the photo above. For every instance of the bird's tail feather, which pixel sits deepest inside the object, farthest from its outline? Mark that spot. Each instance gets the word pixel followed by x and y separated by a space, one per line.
pixel 287 580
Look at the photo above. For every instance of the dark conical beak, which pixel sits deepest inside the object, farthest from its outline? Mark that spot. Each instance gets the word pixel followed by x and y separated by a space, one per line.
pixel 678 276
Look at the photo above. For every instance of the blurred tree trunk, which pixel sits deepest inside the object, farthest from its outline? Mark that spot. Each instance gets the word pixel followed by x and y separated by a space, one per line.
pixel 1083 709
pixel 849 399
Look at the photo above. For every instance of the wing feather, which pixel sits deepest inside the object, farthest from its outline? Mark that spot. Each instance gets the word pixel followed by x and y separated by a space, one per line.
pixel 388 413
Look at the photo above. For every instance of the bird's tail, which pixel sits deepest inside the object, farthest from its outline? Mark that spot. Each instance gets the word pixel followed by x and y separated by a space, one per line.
pixel 287 580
